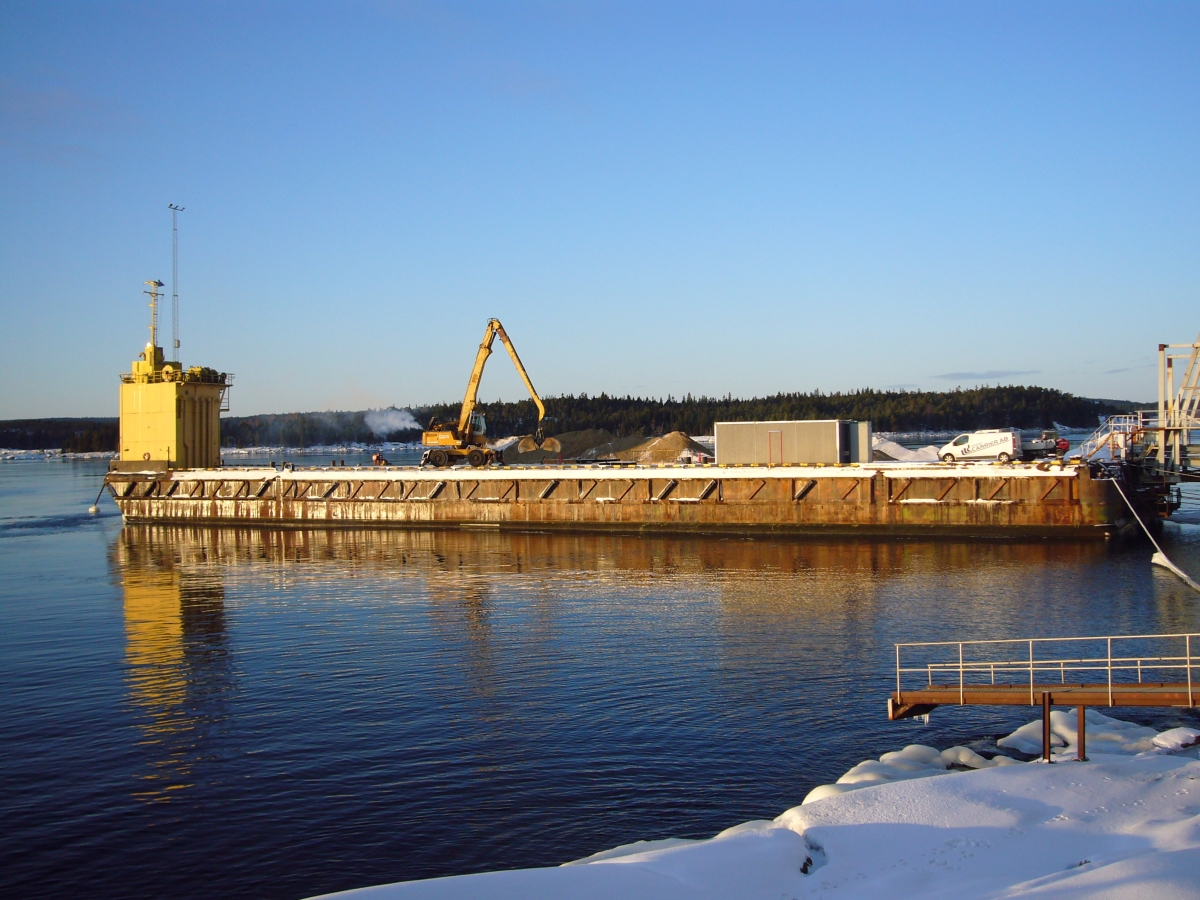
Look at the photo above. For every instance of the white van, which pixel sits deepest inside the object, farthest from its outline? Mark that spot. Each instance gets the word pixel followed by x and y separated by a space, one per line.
pixel 1003 444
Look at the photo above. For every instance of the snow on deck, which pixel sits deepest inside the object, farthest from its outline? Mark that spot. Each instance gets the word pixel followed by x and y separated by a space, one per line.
pixel 1120 826
pixel 624 472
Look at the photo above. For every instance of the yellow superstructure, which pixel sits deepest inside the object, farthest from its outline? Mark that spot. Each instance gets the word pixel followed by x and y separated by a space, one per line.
pixel 170 415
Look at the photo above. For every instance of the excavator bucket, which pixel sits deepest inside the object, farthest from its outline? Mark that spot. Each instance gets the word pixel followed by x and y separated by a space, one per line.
pixel 530 443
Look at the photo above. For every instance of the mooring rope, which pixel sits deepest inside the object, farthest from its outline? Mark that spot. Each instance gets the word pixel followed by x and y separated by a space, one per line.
pixel 1159 558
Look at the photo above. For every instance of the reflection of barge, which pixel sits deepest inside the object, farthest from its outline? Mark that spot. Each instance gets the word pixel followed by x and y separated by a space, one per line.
pixel 967 500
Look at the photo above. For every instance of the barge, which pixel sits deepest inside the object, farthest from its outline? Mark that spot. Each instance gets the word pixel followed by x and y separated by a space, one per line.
pixel 170 471
pixel 965 500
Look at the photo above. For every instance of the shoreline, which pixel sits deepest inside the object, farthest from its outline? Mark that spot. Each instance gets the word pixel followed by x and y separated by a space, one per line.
pixel 1122 825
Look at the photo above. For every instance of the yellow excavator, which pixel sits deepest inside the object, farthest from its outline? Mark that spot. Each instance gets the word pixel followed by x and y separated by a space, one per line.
pixel 450 442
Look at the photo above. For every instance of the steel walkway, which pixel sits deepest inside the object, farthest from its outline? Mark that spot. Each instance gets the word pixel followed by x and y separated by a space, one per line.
pixel 1113 670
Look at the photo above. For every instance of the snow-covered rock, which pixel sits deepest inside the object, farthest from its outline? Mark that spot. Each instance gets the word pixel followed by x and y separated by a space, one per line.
pixel 1176 739
pixel 914 761
pixel 1104 735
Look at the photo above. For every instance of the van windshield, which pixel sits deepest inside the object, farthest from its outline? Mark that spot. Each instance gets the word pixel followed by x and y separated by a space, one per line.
pixel 960 440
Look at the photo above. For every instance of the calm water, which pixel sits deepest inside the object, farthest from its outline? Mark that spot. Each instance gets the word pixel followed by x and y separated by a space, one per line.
pixel 190 712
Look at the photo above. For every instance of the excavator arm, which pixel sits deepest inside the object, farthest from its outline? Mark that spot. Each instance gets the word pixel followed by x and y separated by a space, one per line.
pixel 471 399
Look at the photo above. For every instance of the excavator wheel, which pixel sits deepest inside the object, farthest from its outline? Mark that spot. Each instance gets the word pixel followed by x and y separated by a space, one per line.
pixel 477 458
pixel 438 458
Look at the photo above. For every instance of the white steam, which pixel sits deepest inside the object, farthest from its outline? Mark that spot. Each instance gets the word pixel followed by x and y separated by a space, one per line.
pixel 386 421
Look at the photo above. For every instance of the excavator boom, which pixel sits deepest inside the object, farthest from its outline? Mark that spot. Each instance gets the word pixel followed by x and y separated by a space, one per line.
pixel 463 438
pixel 471 399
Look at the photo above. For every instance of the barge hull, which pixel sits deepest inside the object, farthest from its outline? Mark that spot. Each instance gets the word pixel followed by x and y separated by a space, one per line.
pixel 964 500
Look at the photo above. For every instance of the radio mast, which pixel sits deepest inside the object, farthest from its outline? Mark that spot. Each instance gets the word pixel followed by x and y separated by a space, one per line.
pixel 175 211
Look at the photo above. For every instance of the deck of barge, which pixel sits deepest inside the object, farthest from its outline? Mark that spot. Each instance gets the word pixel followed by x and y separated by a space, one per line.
pixel 964 499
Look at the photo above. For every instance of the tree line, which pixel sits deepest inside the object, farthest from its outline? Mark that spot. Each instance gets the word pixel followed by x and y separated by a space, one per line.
pixel 957 410
pixel 986 407
pixel 1021 407
pixel 68 435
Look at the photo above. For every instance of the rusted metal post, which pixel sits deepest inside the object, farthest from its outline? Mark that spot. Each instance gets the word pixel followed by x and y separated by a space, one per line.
pixel 1046 727
pixel 1081 749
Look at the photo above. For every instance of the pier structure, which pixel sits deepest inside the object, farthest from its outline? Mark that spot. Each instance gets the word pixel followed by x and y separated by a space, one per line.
pixel 1111 670
pixel 1153 451
pixel 967 499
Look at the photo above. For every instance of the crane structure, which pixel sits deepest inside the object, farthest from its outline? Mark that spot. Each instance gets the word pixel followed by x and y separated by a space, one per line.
pixel 451 442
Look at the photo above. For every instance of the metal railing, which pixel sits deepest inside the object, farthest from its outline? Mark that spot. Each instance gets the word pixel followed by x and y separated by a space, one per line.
pixel 979 663
pixel 1117 433
pixel 1130 435
pixel 167 374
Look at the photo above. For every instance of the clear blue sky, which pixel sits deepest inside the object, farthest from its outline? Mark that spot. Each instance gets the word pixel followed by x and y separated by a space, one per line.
pixel 655 198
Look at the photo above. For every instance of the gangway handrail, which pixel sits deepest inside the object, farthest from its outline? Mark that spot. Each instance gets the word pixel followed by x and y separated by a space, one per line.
pixel 1060 665
pixel 1094 637
pixel 1124 424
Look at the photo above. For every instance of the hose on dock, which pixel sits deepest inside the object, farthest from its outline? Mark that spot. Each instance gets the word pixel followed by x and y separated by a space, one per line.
pixel 1159 558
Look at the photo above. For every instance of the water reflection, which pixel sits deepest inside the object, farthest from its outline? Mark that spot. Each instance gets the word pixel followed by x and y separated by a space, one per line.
pixel 398 704
pixel 505 627
pixel 454 552
pixel 176 652
pixel 857 596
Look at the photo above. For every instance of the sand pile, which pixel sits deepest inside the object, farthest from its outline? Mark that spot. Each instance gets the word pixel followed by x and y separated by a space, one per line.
pixel 596 443
pixel 574 445
pixel 661 449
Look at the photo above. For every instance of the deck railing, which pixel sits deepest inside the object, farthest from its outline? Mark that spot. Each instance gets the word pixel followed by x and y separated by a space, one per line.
pixel 1115 660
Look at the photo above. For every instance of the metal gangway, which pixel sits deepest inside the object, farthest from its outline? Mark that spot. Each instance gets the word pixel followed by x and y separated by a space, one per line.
pixel 1109 670
pixel 1120 435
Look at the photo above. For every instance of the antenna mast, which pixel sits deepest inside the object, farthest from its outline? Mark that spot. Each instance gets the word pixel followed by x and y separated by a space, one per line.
pixel 175 211
pixel 153 294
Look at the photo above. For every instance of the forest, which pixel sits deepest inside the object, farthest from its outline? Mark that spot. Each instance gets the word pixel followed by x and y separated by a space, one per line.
pixel 68 435
pixel 958 410
pixel 992 407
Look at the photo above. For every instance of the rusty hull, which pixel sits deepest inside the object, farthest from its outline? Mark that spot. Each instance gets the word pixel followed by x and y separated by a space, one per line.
pixel 966 500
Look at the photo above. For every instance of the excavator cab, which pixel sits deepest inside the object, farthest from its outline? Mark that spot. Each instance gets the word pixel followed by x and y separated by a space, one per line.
pixel 467 439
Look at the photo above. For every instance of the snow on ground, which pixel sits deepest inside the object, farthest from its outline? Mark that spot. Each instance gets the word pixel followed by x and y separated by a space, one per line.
pixel 1124 825
pixel 7 455
pixel 318 449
